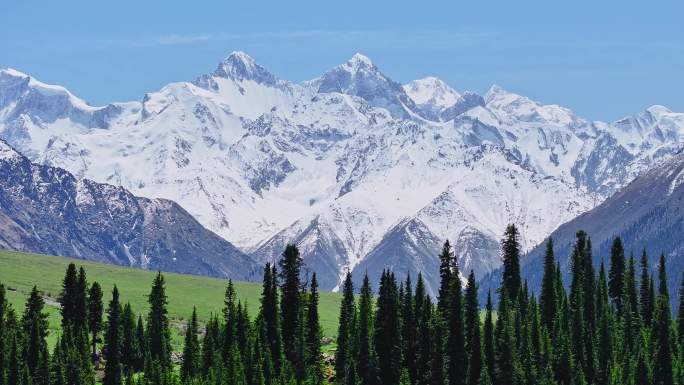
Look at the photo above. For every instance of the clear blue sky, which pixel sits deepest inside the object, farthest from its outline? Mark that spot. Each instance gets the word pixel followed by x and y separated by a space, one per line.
pixel 604 59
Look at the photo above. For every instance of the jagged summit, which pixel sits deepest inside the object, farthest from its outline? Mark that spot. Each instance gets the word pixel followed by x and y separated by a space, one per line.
pixel 360 61
pixel 337 162
pixel 240 66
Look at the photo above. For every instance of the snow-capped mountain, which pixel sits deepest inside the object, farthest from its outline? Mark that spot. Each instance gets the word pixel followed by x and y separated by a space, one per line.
pixel 359 170
pixel 647 214
pixel 46 210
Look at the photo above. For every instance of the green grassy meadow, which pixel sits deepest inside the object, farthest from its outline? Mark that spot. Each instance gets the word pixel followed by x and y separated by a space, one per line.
pixel 21 271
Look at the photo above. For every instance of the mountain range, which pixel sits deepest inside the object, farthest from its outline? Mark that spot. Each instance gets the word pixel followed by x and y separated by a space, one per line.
pixel 647 215
pixel 360 171
pixel 46 210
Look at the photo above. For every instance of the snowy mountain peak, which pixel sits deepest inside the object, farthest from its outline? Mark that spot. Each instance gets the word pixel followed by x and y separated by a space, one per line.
pixel 11 72
pixel 6 151
pixel 431 91
pixel 658 110
pixel 359 61
pixel 240 66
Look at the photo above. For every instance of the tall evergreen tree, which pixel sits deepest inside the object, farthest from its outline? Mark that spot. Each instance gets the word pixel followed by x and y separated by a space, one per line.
pixel 35 330
pixel 388 331
pixel 229 321
pixel 158 324
pixel 191 349
pixel 112 346
pixel 67 297
pixel 662 360
pixel 95 310
pixel 446 263
pixel 269 315
pixel 3 332
pixel 680 317
pixel 488 337
pixel 129 344
pixel 645 300
pixel 548 301
pixel 616 273
pixel 473 337
pixel 313 336
pixel 81 302
pixel 511 281
pixel 365 358
pixel 455 349
pixel 290 302
pixel 343 355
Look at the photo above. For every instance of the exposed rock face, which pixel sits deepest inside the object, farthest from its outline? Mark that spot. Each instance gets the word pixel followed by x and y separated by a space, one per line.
pixel 46 210
pixel 647 214
pixel 343 163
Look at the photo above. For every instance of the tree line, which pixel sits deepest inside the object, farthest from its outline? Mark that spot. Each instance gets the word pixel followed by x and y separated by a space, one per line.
pixel 608 327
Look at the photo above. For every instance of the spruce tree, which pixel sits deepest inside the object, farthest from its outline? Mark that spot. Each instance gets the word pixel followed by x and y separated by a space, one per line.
pixel 680 318
pixel 190 364
pixel 388 331
pixel 616 273
pixel 313 336
pixel 129 348
pixel 35 330
pixel 269 314
pixel 3 332
pixel 158 333
pixel 67 297
pixel 345 328
pixel 229 321
pixel 408 333
pixel 645 301
pixel 290 302
pixel 488 337
pixel 547 301
pixel 663 357
pixel 365 358
pixel 81 302
pixel 511 281
pixel 473 337
pixel 455 349
pixel 95 310
pixel 112 342
pixel 437 363
pixel 446 262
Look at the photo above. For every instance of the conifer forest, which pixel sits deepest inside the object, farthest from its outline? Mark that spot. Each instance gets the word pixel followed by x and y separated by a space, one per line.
pixel 608 324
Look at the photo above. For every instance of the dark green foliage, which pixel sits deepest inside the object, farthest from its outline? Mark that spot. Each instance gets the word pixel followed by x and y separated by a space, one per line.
pixel 313 336
pixel 158 334
pixel 646 297
pixel 345 333
pixel 365 362
pixel 547 300
pixel 112 345
pixel 473 335
pixel 446 265
pixel 291 301
pixel 455 349
pixel 488 338
pixel 616 273
pixel 270 317
pixel 191 349
pixel 510 247
pixel 35 329
pixel 95 310
pixel 388 331
pixel 588 336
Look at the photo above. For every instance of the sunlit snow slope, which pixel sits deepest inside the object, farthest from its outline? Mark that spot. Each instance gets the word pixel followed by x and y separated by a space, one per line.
pixel 360 171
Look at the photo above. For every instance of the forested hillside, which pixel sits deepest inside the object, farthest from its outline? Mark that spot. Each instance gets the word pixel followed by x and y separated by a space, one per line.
pixel 613 325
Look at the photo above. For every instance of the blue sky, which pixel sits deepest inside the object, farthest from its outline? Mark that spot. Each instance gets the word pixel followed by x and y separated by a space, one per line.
pixel 603 59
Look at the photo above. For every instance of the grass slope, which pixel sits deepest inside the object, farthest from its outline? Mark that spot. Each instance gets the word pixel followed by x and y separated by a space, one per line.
pixel 21 271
